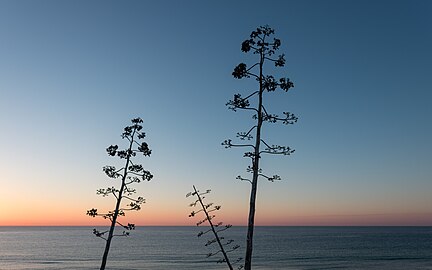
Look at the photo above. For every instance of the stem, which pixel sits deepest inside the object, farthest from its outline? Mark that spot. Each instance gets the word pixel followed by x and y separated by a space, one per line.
pixel 255 168
pixel 214 231
pixel 116 211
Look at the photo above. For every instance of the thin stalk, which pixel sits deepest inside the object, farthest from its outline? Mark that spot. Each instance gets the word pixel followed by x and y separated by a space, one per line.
pixel 116 211
pixel 255 168
pixel 214 231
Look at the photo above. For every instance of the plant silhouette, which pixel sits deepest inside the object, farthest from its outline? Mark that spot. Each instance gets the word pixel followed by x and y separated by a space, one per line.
pixel 264 47
pixel 224 247
pixel 129 174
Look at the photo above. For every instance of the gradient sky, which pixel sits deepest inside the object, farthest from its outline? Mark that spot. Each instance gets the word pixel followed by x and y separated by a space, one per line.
pixel 73 73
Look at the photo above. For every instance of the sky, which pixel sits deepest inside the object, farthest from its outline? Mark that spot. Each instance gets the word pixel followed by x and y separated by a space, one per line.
pixel 73 74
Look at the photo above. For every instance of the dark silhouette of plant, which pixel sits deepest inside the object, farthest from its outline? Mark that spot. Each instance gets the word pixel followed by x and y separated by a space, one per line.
pixel 129 174
pixel 216 229
pixel 261 44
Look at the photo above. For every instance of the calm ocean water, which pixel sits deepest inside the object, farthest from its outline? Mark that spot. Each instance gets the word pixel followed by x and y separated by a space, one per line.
pixel 308 248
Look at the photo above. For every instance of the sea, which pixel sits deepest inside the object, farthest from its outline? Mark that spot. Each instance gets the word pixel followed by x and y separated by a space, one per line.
pixel 179 248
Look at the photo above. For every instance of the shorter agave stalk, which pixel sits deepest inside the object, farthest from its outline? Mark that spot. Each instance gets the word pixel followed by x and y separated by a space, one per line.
pixel 224 246
pixel 130 174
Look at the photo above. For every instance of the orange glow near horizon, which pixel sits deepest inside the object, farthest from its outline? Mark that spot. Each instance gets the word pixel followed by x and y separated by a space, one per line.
pixel 162 212
pixel 147 217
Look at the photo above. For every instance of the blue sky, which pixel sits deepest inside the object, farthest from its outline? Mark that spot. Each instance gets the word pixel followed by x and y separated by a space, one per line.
pixel 72 74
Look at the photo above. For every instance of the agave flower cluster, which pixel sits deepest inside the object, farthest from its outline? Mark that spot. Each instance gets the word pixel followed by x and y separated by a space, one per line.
pixel 129 174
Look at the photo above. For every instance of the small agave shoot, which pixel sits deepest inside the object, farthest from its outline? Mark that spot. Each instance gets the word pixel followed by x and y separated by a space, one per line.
pixel 223 246
pixel 129 174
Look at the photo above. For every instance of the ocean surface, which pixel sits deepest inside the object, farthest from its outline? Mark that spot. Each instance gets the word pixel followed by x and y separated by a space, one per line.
pixel 178 248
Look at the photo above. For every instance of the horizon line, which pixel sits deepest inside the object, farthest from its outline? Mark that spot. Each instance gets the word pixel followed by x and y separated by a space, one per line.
pixel 232 226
